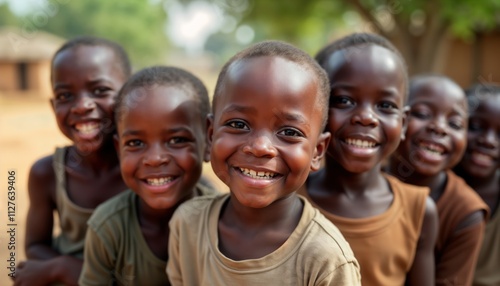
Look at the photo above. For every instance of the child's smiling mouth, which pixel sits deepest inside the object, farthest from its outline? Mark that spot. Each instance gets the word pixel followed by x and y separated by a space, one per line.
pixel 159 181
pixel 258 174
pixel 360 143
pixel 88 129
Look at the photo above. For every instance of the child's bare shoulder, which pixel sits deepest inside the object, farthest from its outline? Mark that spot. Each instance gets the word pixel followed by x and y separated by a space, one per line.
pixel 43 169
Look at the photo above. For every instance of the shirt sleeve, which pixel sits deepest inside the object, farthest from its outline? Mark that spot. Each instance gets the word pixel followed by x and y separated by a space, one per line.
pixel 458 260
pixel 347 274
pixel 173 265
pixel 98 262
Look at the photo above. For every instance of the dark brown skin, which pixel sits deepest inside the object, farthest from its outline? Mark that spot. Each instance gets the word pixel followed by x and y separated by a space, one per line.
pixel 438 113
pixel 483 139
pixel 85 81
pixel 367 104
pixel 284 140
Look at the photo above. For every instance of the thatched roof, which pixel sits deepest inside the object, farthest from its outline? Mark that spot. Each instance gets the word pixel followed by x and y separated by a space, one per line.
pixel 18 45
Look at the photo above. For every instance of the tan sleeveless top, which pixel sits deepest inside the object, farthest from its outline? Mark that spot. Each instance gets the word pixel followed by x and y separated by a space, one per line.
pixel 72 218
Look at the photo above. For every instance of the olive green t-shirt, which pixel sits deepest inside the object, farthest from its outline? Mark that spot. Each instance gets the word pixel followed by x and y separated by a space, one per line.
pixel 116 252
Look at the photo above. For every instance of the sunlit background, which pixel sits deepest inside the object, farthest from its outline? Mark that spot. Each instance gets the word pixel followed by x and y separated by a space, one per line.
pixel 459 38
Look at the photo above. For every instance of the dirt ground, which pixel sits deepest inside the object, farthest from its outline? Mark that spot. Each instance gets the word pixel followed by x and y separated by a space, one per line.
pixel 28 131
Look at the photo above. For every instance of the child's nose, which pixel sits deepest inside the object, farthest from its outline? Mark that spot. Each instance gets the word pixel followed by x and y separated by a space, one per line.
pixel 489 139
pixel 156 155
pixel 83 104
pixel 438 126
pixel 261 145
pixel 365 116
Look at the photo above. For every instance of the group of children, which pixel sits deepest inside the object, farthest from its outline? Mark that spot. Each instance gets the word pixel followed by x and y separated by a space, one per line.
pixel 339 171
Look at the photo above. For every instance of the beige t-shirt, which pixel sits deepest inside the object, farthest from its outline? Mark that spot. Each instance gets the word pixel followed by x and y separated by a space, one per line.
pixel 488 263
pixel 316 253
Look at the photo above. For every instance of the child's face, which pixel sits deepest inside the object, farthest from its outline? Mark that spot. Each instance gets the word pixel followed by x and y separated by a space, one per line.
pixel 160 143
pixel 265 133
pixel 366 114
pixel 85 82
pixel 482 155
pixel 437 125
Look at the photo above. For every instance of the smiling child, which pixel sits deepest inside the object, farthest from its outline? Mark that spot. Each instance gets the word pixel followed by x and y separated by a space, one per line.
pixel 266 135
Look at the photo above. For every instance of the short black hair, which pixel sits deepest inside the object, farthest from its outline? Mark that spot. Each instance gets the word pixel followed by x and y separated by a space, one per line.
pixel 288 52
pixel 163 76
pixel 359 40
pixel 477 92
pixel 118 50
pixel 416 80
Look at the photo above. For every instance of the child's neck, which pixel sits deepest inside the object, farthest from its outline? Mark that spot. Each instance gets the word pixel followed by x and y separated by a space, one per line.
pixel 251 233
pixel 153 218
pixel 487 188
pixel 349 182
pixel 279 212
pixel 104 158
pixel 436 183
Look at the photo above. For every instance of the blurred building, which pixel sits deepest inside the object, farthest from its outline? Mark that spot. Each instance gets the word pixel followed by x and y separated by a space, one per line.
pixel 25 62
pixel 477 61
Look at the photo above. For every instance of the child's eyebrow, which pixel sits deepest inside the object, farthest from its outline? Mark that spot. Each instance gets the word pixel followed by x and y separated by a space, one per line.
pixel 239 108
pixel 283 115
pixel 129 132
pixel 61 85
pixel 293 117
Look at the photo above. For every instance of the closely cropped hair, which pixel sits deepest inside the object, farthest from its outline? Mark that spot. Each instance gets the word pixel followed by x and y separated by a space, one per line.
pixel 358 40
pixel 285 51
pixel 416 80
pixel 479 91
pixel 483 89
pixel 117 49
pixel 162 76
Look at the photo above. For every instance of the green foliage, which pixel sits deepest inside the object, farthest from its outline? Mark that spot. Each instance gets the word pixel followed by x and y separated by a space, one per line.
pixel 306 23
pixel 137 25
pixel 466 16
pixel 7 18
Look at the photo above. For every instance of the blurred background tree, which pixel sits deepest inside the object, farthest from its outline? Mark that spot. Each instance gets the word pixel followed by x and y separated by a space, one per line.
pixel 419 28
pixel 138 25
pixel 152 30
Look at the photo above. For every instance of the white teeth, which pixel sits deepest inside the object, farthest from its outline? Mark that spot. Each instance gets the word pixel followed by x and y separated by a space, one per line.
pixel 87 128
pixel 432 148
pixel 257 175
pixel 360 143
pixel 482 157
pixel 159 181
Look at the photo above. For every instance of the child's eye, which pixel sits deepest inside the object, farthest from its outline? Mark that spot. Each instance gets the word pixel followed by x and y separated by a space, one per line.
pixel 100 90
pixel 420 114
pixel 387 105
pixel 290 132
pixel 178 140
pixel 340 101
pixel 457 125
pixel 63 96
pixel 474 125
pixel 134 143
pixel 236 124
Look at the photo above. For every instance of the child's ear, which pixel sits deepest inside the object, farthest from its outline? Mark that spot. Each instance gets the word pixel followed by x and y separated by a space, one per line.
pixel 208 138
pixel 320 150
pixel 405 116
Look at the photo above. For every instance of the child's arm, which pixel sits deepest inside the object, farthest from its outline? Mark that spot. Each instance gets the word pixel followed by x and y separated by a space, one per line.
pixel 45 264
pixel 99 260
pixel 422 269
pixel 458 260
pixel 40 220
